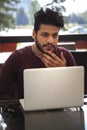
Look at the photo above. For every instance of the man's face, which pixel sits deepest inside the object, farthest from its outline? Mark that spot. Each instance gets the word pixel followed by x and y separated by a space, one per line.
pixel 46 38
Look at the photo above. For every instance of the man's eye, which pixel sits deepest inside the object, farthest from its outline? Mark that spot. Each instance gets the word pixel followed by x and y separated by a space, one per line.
pixel 55 35
pixel 45 35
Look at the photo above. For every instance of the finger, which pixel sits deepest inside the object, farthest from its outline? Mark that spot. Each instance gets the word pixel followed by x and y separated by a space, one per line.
pixel 48 58
pixel 62 56
pixel 51 54
pixel 52 60
pixel 47 62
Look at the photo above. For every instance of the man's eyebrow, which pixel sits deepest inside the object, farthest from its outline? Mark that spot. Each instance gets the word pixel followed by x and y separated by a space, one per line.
pixel 55 33
pixel 45 32
pixel 48 32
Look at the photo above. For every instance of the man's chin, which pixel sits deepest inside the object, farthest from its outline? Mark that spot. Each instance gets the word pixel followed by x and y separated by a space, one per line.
pixel 47 51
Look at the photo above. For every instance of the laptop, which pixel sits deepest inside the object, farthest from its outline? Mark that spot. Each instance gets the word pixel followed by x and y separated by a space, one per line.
pixel 53 88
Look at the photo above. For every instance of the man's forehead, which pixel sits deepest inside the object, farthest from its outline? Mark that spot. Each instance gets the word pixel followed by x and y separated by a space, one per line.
pixel 48 26
pixel 48 29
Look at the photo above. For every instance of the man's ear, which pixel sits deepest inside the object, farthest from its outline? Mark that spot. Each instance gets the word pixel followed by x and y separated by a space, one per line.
pixel 34 35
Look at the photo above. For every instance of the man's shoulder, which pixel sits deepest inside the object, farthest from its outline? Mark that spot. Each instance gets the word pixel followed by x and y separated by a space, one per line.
pixel 65 51
pixel 60 48
pixel 17 54
pixel 23 50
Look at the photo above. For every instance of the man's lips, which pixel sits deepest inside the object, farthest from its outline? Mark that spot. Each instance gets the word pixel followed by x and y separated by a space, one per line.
pixel 49 47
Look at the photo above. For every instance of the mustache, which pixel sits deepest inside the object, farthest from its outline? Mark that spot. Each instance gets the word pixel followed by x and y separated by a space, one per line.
pixel 54 46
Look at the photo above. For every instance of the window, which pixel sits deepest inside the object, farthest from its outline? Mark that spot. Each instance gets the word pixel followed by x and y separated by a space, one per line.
pixel 18 16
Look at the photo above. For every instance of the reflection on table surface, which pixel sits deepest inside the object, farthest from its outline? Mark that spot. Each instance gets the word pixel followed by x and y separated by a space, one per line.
pixel 54 120
pixel 59 119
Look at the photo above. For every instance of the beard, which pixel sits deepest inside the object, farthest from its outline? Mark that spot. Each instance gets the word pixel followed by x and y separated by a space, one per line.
pixel 48 45
pixel 39 47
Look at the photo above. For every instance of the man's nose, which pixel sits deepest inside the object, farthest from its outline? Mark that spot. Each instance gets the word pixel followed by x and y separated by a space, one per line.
pixel 50 39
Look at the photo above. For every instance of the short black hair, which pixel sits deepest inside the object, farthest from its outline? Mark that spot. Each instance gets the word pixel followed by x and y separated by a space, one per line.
pixel 49 17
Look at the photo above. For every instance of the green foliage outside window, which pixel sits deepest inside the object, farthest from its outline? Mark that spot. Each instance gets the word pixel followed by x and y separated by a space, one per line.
pixel 6 10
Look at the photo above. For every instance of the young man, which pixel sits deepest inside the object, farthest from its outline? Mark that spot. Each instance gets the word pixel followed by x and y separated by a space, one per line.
pixel 44 53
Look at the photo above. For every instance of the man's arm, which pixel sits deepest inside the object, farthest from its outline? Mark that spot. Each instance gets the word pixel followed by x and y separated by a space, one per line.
pixel 7 75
